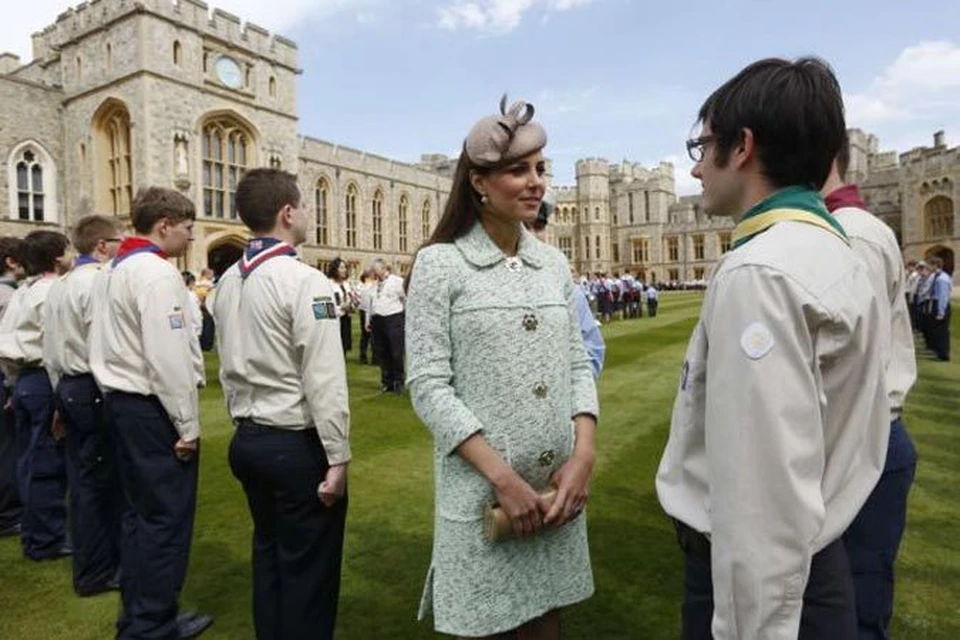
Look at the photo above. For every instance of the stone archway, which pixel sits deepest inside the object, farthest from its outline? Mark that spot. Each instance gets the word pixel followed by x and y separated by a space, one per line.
pixel 222 254
pixel 944 253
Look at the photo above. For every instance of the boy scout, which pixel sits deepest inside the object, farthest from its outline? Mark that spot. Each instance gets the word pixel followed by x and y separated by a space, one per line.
pixel 41 468
pixel 147 361
pixel 780 425
pixel 11 272
pixel 95 498
pixel 284 377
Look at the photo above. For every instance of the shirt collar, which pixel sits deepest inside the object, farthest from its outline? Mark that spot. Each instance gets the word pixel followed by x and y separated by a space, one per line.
pixel 846 196
pixel 477 247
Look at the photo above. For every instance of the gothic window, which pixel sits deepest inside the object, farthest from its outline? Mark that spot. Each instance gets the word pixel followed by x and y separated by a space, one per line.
pixel 114 165
pixel 641 250
pixel 322 198
pixel 376 210
pixel 938 214
pixel 725 242
pixel 29 187
pixel 351 215
pixel 673 249
pixel 425 220
pixel 402 211
pixel 566 246
pixel 698 248
pixel 227 152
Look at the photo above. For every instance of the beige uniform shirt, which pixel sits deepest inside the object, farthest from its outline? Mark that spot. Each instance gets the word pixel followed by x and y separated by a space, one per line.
pixel 874 243
pixel 22 326
pixel 780 425
pixel 281 359
pixel 141 339
pixel 11 359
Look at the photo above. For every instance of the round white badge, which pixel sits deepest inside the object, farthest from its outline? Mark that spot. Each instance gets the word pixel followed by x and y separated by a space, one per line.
pixel 756 341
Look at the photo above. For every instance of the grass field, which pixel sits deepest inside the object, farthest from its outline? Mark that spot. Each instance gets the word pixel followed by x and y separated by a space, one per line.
pixel 636 563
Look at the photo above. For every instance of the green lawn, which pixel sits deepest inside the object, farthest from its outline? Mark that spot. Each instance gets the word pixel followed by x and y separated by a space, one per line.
pixel 635 559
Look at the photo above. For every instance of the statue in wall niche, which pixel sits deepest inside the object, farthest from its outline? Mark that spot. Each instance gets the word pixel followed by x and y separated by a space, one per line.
pixel 181 164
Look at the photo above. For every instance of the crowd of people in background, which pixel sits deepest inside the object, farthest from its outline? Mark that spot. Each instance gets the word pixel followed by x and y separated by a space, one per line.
pixel 929 289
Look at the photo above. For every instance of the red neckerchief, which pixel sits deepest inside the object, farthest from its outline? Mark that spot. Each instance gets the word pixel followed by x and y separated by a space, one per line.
pixel 846 196
pixel 261 249
pixel 134 245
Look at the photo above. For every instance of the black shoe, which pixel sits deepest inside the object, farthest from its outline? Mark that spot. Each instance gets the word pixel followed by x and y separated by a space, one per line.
pixel 191 625
pixel 64 551
pixel 11 530
pixel 109 585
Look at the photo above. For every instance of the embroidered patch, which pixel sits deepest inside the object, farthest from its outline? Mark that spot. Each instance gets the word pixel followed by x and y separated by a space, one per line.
pixel 684 375
pixel 176 320
pixel 324 308
pixel 756 341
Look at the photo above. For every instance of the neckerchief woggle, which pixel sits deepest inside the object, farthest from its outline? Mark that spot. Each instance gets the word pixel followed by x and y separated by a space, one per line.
pixel 259 250
pixel 797 204
pixel 133 245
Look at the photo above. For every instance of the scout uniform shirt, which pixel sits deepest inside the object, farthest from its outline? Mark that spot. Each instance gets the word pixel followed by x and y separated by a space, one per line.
pixel 874 243
pixel 281 359
pixel 22 328
pixel 141 340
pixel 781 421
pixel 67 317
pixel 11 359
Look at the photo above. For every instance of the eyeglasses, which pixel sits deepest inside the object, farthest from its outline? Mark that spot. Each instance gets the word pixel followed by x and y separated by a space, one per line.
pixel 697 146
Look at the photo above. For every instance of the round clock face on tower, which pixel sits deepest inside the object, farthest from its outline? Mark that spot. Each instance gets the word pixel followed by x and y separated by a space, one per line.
pixel 228 72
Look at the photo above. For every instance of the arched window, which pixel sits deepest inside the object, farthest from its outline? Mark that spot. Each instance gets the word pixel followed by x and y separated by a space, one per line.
pixel 938 214
pixel 402 211
pixel 227 152
pixel 114 166
pixel 32 171
pixel 376 209
pixel 322 198
pixel 177 53
pixel 425 220
pixel 351 211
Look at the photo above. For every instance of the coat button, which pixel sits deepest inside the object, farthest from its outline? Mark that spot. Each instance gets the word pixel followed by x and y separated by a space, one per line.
pixel 540 390
pixel 530 322
pixel 547 457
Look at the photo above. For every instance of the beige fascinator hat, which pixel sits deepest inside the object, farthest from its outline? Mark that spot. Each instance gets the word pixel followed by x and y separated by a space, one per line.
pixel 500 139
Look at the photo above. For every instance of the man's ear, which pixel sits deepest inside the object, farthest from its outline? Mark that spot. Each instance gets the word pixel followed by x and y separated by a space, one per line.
pixel 746 150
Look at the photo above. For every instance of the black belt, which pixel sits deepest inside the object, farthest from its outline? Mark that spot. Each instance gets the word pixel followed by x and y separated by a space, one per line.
pixel 249 424
pixel 692 541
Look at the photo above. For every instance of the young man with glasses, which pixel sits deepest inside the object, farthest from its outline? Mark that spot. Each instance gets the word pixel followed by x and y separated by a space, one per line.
pixel 780 424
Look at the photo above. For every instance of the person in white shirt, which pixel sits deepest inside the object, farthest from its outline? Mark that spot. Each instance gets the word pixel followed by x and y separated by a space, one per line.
pixel 95 497
pixel 386 323
pixel 912 283
pixel 11 273
pixel 196 310
pixel 653 300
pixel 345 298
pixel 780 424
pixel 41 464
pixel 284 378
pixel 366 291
pixel 147 361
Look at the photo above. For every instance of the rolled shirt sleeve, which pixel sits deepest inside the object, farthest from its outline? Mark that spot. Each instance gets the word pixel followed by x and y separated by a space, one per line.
pixel 583 388
pixel 429 353
pixel 167 336
pixel 590 332
pixel 316 337
pixel 765 455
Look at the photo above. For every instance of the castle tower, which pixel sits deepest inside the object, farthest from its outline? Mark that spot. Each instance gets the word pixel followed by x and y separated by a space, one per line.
pixel 593 199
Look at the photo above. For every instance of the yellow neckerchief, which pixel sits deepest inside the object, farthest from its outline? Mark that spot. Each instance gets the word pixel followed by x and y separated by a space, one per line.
pixel 761 222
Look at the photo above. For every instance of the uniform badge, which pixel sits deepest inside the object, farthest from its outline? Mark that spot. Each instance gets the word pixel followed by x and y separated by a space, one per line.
pixel 323 308
pixel 176 320
pixel 756 341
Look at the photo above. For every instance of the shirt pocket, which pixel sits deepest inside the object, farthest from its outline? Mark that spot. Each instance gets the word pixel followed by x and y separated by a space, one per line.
pixel 462 492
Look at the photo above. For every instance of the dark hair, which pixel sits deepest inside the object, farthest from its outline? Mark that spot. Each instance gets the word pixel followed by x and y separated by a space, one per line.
pixel 12 248
pixel 262 193
pixel 41 249
pixel 90 230
pixel 843 157
pixel 153 204
pixel 793 109
pixel 188 278
pixel 333 267
pixel 936 262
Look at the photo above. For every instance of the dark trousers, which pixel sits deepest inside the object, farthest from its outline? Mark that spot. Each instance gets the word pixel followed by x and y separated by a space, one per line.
pixel 95 495
pixel 41 469
pixel 828 600
pixel 346 332
pixel 160 498
pixel 940 335
pixel 10 447
pixel 652 308
pixel 388 349
pixel 874 537
pixel 366 337
pixel 297 541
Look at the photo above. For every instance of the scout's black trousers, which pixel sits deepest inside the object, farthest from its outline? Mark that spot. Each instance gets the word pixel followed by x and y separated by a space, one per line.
pixel 828 601
pixel 11 447
pixel 297 541
pixel 388 341
pixel 95 494
pixel 160 499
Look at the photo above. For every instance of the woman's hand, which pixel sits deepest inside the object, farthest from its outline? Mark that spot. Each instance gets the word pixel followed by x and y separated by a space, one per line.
pixel 522 504
pixel 572 482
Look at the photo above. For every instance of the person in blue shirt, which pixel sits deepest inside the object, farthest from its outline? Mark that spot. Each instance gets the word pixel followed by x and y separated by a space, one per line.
pixel 940 292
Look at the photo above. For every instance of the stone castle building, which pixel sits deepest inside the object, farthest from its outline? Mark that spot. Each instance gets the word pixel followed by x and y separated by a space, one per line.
pixel 122 94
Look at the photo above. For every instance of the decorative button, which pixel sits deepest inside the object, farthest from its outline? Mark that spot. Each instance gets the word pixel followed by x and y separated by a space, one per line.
pixel 514 263
pixel 530 322
pixel 547 457
pixel 540 390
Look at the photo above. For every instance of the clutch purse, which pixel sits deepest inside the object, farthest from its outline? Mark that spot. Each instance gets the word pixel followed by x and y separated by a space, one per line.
pixel 496 523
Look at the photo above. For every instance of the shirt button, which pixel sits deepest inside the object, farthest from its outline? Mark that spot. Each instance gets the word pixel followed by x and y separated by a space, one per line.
pixel 530 322
pixel 547 457
pixel 540 390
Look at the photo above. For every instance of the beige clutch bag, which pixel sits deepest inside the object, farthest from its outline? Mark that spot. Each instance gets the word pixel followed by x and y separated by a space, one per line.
pixel 496 523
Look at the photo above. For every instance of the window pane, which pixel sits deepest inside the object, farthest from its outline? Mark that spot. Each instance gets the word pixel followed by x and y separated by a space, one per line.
pixel 233 178
pixel 23 204
pixel 22 183
pixel 218 176
pixel 218 204
pixel 217 146
pixel 206 174
pixel 38 208
pixel 206 145
pixel 233 204
pixel 243 151
pixel 37 179
pixel 232 150
pixel 208 202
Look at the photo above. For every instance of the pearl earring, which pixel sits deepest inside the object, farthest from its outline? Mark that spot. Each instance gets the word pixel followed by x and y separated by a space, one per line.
pixel 483 198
